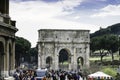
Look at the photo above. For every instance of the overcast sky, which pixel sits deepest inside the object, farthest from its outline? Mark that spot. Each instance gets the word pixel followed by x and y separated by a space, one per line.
pixel 32 15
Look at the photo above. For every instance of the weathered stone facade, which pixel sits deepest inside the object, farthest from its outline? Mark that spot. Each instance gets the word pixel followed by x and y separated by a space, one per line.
pixel 7 41
pixel 75 42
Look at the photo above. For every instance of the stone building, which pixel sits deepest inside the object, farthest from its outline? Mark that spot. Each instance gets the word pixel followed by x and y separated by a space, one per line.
pixel 7 40
pixel 63 49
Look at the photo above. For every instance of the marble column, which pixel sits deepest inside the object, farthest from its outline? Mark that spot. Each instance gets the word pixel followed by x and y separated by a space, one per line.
pixel 39 56
pixel 56 58
pixel 4 6
pixel 12 58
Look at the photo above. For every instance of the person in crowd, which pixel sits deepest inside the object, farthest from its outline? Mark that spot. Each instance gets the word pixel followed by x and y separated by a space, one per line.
pixel 62 76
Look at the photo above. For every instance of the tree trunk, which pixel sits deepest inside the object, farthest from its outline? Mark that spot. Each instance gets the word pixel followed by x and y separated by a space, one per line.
pixel 101 55
pixel 112 55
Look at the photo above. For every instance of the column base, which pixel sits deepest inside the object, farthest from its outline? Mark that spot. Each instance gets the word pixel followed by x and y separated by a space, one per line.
pixel 9 78
pixel 4 74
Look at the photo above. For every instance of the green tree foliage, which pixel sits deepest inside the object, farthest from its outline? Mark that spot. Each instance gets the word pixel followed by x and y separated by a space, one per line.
pixel 22 48
pixel 105 42
pixel 117 77
pixel 112 44
pixel 113 29
pixel 94 44
pixel 98 44
pixel 34 54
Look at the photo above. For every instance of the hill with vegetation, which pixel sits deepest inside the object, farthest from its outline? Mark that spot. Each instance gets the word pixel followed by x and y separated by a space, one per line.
pixel 113 29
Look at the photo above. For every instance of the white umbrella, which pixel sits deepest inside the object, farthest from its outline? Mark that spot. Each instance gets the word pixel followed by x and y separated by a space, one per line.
pixel 99 74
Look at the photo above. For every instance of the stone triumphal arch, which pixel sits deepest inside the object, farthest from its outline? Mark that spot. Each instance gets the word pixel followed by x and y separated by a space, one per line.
pixel 63 49
pixel 7 41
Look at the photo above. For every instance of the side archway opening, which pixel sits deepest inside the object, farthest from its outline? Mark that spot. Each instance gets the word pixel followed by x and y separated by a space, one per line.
pixel 48 62
pixel 80 62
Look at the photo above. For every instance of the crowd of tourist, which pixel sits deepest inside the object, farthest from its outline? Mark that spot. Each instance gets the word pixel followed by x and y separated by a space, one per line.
pixel 57 75
pixel 50 75
pixel 24 75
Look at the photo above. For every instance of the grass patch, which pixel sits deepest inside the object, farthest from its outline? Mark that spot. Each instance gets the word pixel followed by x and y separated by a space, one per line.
pixel 110 71
pixel 106 58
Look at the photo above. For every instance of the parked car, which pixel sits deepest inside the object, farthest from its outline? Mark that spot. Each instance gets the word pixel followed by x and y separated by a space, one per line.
pixel 40 74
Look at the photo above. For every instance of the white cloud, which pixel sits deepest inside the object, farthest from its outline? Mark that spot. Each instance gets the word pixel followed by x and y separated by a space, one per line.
pixel 69 4
pixel 110 10
pixel 77 17
pixel 102 0
pixel 43 10
pixel 34 15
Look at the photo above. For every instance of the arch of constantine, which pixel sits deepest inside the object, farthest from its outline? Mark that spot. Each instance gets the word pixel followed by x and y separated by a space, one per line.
pixel 63 49
pixel 7 41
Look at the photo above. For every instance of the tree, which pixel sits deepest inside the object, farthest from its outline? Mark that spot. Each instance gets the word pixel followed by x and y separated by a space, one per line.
pixel 113 29
pixel 105 42
pixel 34 54
pixel 98 44
pixel 22 48
pixel 112 44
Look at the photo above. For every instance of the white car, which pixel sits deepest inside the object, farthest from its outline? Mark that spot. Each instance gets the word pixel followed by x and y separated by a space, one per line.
pixel 41 73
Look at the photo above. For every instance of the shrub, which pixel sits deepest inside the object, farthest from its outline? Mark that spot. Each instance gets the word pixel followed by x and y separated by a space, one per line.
pixel 109 71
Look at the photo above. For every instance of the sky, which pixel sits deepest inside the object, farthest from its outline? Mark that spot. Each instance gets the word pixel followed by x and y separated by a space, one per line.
pixel 33 15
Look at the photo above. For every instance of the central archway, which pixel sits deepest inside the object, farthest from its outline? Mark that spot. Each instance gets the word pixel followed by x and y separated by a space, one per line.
pixel 64 59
